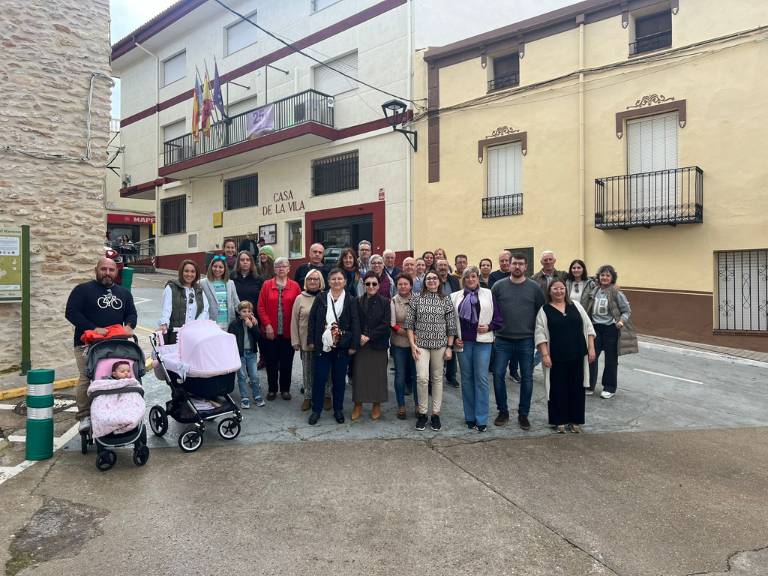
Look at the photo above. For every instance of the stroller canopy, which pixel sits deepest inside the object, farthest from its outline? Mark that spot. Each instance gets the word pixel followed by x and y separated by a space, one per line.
pixel 207 349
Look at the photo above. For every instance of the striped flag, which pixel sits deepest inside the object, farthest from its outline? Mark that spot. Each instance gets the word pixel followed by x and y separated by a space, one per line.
pixel 218 99
pixel 196 109
pixel 207 106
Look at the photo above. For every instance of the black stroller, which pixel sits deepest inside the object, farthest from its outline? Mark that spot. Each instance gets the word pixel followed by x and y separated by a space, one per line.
pixel 99 360
pixel 194 400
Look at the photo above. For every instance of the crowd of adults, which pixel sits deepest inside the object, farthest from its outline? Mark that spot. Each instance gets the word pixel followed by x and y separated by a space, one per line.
pixel 434 319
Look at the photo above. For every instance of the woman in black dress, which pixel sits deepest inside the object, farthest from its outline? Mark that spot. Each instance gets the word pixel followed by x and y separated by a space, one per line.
pixel 566 341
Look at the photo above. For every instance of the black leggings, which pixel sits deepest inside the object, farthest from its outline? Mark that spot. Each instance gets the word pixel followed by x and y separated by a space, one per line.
pixel 607 341
pixel 278 356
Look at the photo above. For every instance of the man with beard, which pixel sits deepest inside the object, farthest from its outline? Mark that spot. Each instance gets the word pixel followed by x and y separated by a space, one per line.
pixel 95 305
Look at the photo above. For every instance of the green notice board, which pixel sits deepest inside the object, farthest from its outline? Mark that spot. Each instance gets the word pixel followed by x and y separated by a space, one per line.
pixel 10 264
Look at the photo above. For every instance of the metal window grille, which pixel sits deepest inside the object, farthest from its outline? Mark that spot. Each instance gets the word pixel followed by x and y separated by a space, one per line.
pixel 652 32
pixel 241 192
pixel 509 205
pixel 173 215
pixel 742 290
pixel 335 174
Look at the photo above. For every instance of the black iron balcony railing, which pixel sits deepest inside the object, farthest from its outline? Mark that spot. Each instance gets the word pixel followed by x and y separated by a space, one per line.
pixel 504 81
pixel 651 42
pixel 509 205
pixel 307 106
pixel 650 199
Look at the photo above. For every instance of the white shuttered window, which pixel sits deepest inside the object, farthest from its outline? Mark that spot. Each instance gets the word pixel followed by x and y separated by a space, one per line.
pixel 505 166
pixel 652 155
pixel 174 68
pixel 172 131
pixel 331 82
pixel 240 34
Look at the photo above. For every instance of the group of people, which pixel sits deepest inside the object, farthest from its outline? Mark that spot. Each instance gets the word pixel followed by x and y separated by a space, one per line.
pixel 435 320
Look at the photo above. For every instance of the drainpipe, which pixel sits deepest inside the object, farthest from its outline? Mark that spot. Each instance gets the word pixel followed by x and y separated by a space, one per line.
pixel 409 93
pixel 582 151
pixel 157 144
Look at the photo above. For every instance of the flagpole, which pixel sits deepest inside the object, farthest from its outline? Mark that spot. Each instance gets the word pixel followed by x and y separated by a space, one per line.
pixel 215 111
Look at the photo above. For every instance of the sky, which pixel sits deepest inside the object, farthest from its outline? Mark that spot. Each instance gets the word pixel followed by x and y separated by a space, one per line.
pixel 438 22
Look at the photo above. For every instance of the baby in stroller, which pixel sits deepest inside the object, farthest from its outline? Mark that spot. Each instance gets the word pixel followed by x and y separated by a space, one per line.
pixel 115 367
pixel 200 371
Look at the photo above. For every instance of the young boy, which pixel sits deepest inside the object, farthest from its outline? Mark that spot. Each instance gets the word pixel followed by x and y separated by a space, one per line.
pixel 121 370
pixel 246 330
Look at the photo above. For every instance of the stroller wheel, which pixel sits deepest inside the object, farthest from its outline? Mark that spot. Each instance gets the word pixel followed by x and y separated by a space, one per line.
pixel 141 455
pixel 158 420
pixel 84 443
pixel 190 441
pixel 105 460
pixel 229 428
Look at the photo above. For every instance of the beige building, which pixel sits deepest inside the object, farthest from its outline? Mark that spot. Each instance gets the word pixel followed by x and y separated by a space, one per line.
pixel 55 61
pixel 623 132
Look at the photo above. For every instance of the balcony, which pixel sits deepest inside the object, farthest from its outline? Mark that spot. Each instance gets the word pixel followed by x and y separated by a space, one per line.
pixel 509 205
pixel 293 123
pixel 651 42
pixel 501 82
pixel 665 197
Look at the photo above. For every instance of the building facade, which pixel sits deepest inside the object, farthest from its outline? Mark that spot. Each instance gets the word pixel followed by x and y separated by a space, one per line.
pixel 304 153
pixel 622 132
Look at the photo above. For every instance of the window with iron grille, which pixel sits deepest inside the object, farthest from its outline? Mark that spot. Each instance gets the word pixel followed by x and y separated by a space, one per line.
pixel 173 215
pixel 335 174
pixel 742 291
pixel 506 72
pixel 241 192
pixel 652 32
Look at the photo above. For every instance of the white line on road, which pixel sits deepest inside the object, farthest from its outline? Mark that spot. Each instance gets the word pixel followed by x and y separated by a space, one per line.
pixel 8 472
pixel 667 376
pixel 137 301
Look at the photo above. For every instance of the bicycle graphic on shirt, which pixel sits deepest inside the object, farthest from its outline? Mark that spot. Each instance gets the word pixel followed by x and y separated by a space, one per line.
pixel 109 300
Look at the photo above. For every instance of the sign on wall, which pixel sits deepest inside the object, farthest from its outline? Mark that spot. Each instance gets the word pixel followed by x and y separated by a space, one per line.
pixel 10 264
pixel 269 233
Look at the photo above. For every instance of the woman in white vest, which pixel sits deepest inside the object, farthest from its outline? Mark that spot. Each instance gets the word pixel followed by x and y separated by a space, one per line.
pixel 477 316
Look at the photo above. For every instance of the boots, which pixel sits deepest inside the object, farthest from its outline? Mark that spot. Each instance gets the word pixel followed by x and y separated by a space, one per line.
pixel 357 411
pixel 376 411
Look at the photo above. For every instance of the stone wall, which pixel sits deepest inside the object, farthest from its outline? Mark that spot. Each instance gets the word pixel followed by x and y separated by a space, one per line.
pixel 49 49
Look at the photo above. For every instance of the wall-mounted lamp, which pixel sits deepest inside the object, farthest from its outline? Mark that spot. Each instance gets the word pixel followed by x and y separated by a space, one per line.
pixel 394 112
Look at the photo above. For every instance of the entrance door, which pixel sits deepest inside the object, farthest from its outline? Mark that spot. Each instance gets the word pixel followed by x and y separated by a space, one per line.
pixel 343 232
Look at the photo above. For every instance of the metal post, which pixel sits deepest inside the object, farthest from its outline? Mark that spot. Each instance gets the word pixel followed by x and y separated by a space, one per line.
pixel 26 362
pixel 39 441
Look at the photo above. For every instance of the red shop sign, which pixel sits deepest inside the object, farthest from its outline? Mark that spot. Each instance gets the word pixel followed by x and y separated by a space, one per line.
pixel 129 219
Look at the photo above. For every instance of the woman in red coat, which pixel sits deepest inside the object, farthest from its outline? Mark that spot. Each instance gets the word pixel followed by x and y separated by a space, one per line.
pixel 274 310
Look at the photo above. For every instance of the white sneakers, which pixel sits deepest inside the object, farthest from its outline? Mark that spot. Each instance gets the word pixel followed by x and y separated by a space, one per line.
pixel 606 395
pixel 85 424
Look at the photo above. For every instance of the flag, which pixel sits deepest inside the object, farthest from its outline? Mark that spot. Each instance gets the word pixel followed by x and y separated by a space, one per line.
pixel 260 121
pixel 196 109
pixel 218 100
pixel 207 106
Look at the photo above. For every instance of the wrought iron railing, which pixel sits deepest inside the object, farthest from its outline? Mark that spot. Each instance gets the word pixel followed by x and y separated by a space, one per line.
pixel 650 199
pixel 307 106
pixel 509 205
pixel 504 81
pixel 651 42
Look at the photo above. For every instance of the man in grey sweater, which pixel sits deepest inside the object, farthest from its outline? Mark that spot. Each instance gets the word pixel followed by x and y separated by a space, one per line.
pixel 519 300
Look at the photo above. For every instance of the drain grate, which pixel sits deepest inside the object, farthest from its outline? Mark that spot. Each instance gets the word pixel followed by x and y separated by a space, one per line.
pixel 60 403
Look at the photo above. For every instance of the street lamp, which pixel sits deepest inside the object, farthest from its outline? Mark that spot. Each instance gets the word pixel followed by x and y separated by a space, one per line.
pixel 394 112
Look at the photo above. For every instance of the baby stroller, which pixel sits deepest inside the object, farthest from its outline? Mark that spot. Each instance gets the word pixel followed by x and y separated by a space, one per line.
pixel 200 369
pixel 117 406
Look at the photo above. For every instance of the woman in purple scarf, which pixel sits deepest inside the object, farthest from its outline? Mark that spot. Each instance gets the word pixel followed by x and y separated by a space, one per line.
pixel 477 316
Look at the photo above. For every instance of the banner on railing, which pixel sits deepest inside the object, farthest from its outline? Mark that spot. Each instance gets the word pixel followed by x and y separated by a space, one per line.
pixel 260 121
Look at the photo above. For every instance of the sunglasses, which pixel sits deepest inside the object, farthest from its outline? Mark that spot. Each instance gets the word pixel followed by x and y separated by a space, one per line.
pixel 191 299
pixel 222 258
pixel 371 283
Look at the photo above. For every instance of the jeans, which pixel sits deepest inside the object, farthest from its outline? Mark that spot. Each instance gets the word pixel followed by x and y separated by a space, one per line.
pixel 473 361
pixel 520 349
pixel 335 363
pixel 405 373
pixel 606 340
pixel 248 369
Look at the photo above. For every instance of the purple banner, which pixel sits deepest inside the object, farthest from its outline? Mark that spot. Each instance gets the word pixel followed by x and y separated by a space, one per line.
pixel 261 121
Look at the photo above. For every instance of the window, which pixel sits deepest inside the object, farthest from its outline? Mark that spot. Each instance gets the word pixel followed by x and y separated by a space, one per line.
pixel 505 193
pixel 173 215
pixel 321 4
pixel 295 243
pixel 175 130
pixel 331 82
pixel 241 192
pixel 335 174
pixel 240 34
pixel 506 72
pixel 652 32
pixel 174 68
pixel 742 290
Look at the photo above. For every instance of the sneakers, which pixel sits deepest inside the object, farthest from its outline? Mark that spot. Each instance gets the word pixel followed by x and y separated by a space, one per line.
pixel 285 395
pixel 313 418
pixel 575 429
pixel 452 383
pixel 245 404
pixel 515 376
pixel 559 429
pixel 502 418
pixel 470 425
pixel 524 423
pixel 605 394
pixel 421 422
pixel 589 391
pixel 434 422
pixel 482 427
pixel 259 402
pixel 85 425
pixel 271 396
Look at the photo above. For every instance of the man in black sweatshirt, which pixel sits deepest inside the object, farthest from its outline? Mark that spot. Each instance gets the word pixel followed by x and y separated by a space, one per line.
pixel 94 305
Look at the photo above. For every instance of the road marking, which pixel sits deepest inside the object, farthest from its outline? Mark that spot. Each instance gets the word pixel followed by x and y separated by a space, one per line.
pixel 8 472
pixel 147 330
pixel 141 300
pixel 667 376
pixel 704 354
pixel 7 406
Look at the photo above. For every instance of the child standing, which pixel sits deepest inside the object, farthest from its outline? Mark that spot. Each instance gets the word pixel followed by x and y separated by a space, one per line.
pixel 246 330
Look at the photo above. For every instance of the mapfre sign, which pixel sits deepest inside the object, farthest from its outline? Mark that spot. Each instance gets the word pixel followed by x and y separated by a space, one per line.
pixel 129 219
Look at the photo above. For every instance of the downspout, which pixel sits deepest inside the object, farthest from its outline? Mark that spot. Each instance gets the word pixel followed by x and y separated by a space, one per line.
pixel 582 151
pixel 409 94
pixel 157 144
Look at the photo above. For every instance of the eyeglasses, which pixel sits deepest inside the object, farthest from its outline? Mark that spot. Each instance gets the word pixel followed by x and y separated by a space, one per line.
pixel 219 257
pixel 371 283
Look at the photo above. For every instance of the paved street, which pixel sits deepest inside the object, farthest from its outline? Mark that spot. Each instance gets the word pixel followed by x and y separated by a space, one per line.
pixel 670 478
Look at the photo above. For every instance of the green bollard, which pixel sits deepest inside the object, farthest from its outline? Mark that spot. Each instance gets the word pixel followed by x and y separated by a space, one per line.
pixel 40 414
pixel 127 278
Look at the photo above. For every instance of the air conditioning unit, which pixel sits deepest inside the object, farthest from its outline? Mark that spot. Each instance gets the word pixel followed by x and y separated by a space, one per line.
pixel 192 240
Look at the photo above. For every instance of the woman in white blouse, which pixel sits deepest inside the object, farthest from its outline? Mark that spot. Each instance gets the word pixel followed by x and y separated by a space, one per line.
pixel 183 300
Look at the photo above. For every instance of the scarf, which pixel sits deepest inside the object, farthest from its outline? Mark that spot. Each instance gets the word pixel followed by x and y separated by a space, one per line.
pixel 332 311
pixel 468 307
pixel 312 292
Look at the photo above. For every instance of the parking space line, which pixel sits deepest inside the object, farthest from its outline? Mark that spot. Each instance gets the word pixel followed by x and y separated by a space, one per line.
pixel 667 376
